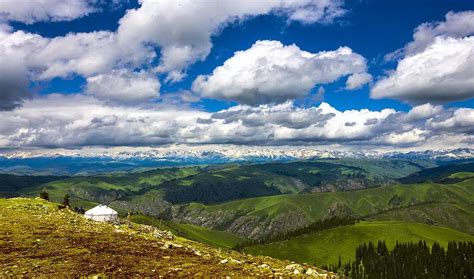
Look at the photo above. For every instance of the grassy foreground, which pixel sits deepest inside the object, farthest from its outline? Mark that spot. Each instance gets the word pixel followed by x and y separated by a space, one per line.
pixel 37 239
pixel 204 235
pixel 325 247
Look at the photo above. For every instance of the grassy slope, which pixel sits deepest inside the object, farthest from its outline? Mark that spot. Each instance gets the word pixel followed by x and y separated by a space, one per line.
pixel 11 185
pixel 326 246
pixel 456 216
pixel 362 202
pixel 86 191
pixel 438 173
pixel 39 240
pixel 462 175
pixel 204 235
pixel 216 185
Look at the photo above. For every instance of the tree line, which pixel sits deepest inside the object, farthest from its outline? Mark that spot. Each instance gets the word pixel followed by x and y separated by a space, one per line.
pixel 409 260
pixel 321 225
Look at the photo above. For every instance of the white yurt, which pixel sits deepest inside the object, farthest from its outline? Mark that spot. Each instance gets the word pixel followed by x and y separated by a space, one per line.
pixel 101 213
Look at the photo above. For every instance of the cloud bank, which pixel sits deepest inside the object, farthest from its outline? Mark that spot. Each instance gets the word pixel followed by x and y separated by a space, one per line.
pixel 77 120
pixel 437 66
pixel 272 72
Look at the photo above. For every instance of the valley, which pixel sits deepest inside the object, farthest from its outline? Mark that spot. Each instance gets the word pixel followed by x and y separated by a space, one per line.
pixel 226 206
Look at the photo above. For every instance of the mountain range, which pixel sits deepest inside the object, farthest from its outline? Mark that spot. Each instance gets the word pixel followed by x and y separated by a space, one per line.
pixel 83 162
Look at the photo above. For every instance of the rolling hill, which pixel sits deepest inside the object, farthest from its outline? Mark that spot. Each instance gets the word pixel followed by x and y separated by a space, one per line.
pixel 458 216
pixel 37 239
pixel 13 185
pixel 324 247
pixel 202 234
pixel 153 192
pixel 264 216
pixel 441 174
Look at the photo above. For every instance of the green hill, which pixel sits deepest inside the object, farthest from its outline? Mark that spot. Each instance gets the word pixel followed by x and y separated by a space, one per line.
pixel 157 189
pixel 88 190
pixel 253 217
pixel 324 247
pixel 37 239
pixel 247 181
pixel 204 235
pixel 456 216
pixel 12 185
pixel 440 174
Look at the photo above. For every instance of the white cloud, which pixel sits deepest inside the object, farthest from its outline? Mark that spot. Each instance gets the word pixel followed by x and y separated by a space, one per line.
pixel 31 11
pixel 357 80
pixel 272 72
pixel 85 54
pixel 436 67
pixel 423 112
pixel 124 86
pixel 456 25
pixel 78 120
pixel 443 72
pixel 183 28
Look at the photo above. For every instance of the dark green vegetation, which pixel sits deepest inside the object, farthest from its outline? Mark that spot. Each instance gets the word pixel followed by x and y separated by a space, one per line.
pixel 227 205
pixel 13 185
pixel 325 247
pixel 410 260
pixel 442 174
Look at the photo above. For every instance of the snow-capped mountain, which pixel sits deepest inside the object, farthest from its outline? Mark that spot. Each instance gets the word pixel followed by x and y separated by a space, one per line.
pixel 233 153
pixel 100 160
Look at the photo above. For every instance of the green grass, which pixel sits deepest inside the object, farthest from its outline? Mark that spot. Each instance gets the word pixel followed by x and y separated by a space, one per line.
pixel 204 235
pixel 457 216
pixel 366 202
pixel 325 247
pixel 462 175
pixel 90 190
pixel 362 202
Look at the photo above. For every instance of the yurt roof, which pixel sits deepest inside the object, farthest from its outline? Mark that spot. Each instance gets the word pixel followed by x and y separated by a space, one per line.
pixel 101 210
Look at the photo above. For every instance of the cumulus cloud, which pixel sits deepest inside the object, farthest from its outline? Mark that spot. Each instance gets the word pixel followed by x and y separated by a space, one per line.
pixel 357 80
pixel 272 72
pixel 183 29
pixel 456 25
pixel 85 54
pixel 437 64
pixel 124 86
pixel 13 82
pixel 31 11
pixel 80 120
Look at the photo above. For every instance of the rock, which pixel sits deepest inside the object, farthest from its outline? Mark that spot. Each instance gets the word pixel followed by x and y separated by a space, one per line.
pixel 311 272
pixel 224 261
pixel 295 268
pixel 263 266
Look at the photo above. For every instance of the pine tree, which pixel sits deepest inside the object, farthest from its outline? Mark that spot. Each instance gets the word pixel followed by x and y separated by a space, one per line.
pixel 66 200
pixel 44 195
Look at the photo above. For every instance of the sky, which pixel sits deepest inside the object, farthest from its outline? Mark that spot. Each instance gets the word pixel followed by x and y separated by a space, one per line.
pixel 355 74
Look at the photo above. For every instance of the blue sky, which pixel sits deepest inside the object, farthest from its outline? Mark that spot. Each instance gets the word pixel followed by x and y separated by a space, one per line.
pixel 370 29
